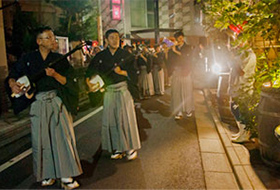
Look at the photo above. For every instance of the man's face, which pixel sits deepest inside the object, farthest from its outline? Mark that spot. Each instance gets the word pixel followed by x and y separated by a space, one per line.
pixel 113 40
pixel 180 39
pixel 46 39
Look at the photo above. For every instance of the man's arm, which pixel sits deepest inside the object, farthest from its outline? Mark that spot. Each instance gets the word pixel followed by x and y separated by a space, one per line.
pixel 52 73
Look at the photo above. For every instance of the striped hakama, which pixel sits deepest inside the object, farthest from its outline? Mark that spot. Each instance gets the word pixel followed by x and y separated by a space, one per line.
pixel 151 84
pixel 158 76
pixel 181 92
pixel 119 126
pixel 143 81
pixel 53 140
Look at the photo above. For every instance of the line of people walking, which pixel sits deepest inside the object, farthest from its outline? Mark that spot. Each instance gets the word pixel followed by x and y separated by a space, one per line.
pixel 55 156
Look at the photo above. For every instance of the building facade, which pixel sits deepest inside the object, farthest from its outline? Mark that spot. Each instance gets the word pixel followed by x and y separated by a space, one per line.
pixel 136 18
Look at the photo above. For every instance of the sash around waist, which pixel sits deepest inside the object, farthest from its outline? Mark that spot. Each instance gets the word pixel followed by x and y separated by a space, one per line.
pixel 117 87
pixel 48 95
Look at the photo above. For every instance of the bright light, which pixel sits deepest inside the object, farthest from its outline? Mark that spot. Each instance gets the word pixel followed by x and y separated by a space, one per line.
pixel 277 132
pixel 267 84
pixel 216 68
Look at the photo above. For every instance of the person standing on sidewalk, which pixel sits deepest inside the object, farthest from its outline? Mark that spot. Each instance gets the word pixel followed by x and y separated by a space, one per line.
pixel 241 80
pixel 119 126
pixel 181 86
pixel 53 140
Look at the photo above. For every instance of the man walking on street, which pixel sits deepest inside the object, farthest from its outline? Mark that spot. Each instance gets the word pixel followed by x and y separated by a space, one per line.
pixel 53 140
pixel 181 86
pixel 119 126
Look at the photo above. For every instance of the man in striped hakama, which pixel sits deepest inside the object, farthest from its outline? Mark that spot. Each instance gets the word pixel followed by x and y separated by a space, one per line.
pixel 53 140
pixel 181 87
pixel 119 126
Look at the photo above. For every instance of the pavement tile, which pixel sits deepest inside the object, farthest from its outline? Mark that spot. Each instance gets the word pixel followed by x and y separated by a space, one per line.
pixel 243 177
pixel 215 162
pixel 233 156
pixel 255 180
pixel 211 145
pixel 204 122
pixel 207 133
pixel 221 129
pixel 243 154
pixel 226 140
pixel 217 180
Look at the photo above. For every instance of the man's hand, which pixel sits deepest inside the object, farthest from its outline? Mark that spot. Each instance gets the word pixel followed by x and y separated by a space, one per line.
pixel 50 72
pixel 16 87
pixel 92 87
pixel 119 71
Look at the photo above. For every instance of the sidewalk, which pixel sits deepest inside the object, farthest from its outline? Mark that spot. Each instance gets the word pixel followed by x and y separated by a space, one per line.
pixel 216 165
pixel 245 160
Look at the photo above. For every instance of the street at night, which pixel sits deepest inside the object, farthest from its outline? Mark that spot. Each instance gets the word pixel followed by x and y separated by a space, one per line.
pixel 139 94
pixel 169 157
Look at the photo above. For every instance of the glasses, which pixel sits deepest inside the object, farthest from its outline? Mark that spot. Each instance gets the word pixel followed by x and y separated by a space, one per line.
pixel 49 38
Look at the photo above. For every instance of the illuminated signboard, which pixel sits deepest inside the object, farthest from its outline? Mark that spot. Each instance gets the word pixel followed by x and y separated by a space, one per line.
pixel 116 12
pixel 116 9
pixel 116 2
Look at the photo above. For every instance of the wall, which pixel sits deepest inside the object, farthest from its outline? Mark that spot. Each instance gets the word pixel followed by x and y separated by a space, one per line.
pixel 3 65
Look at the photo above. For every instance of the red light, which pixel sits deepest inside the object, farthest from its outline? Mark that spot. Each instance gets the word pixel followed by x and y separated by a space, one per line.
pixel 237 29
pixel 116 12
pixel 94 43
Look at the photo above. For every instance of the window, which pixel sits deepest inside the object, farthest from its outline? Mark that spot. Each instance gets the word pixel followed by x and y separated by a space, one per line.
pixel 142 13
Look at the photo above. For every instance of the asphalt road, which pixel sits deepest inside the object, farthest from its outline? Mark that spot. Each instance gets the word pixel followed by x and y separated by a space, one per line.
pixel 169 157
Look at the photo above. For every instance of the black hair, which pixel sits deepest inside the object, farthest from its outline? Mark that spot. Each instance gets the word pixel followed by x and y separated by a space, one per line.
pixel 177 34
pixel 156 46
pixel 42 29
pixel 110 31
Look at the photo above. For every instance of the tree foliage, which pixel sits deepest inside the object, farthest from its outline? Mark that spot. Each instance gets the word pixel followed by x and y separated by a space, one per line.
pixel 79 18
pixel 255 19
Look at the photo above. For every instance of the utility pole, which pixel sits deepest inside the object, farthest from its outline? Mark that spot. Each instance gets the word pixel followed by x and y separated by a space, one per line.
pixel 156 21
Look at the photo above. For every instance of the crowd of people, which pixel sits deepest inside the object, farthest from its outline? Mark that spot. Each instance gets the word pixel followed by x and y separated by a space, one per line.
pixel 129 73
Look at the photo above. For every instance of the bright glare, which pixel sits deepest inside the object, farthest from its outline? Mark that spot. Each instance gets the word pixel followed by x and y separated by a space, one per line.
pixel 216 68
pixel 267 84
pixel 277 132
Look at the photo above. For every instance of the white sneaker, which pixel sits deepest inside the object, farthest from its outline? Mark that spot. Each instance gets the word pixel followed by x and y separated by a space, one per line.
pixel 117 155
pixel 189 114
pixel 131 155
pixel 244 137
pixel 70 183
pixel 179 116
pixel 241 128
pixel 47 182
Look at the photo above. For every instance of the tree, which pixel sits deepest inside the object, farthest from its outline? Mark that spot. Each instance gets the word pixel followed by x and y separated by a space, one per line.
pixel 258 20
pixel 79 18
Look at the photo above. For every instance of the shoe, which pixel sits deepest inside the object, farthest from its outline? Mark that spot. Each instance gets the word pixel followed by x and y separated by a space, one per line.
pixel 241 128
pixel 47 182
pixel 177 117
pixel 117 155
pixel 131 155
pixel 70 185
pixel 189 114
pixel 242 138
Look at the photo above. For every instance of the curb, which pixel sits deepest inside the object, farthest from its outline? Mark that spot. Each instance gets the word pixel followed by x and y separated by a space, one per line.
pixel 237 154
